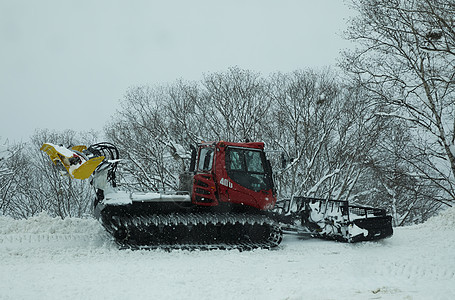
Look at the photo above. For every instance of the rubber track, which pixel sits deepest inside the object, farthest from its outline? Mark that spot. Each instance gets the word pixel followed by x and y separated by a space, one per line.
pixel 195 231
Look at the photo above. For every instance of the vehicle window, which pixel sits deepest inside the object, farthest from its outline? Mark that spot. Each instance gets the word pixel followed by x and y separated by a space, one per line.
pixel 206 159
pixel 246 167
pixel 254 161
pixel 236 160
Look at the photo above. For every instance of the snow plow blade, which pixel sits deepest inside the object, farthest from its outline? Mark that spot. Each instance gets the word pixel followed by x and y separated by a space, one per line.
pixel 86 169
pixel 73 161
pixel 336 219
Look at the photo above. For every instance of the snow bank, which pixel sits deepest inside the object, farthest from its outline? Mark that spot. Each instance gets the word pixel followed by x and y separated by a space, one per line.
pixel 44 224
pixel 444 221
pixel 22 237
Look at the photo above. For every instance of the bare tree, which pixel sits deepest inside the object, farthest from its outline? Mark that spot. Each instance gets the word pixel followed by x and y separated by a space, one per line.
pixel 390 178
pixel 325 130
pixel 12 168
pixel 235 105
pixel 142 133
pixel 185 123
pixel 406 59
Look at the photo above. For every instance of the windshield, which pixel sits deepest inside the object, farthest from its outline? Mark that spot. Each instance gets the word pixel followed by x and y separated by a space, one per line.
pixel 248 168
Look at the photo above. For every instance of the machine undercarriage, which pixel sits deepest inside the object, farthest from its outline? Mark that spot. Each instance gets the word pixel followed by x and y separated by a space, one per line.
pixel 140 229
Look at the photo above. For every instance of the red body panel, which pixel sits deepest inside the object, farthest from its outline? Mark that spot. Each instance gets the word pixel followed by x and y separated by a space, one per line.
pixel 213 186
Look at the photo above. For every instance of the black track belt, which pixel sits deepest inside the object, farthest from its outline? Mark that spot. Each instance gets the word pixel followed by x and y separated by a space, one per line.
pixel 191 231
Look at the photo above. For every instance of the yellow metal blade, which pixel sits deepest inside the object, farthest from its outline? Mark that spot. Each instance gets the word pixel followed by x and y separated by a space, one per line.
pixel 58 157
pixel 79 148
pixel 86 169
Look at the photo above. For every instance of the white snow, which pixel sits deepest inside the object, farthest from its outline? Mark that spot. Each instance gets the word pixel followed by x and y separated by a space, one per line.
pixel 50 258
pixel 124 197
pixel 152 196
pixel 355 230
pixel 118 198
pixel 62 150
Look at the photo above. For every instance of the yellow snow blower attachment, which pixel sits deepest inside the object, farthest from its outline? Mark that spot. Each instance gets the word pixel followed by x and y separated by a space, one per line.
pixel 75 163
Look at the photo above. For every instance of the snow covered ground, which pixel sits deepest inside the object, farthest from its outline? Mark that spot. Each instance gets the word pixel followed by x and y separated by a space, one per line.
pixel 47 258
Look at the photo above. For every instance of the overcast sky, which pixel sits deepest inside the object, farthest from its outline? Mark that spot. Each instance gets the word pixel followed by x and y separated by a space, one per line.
pixel 67 64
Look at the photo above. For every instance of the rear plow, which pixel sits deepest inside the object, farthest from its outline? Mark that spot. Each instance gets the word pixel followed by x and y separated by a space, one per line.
pixel 334 219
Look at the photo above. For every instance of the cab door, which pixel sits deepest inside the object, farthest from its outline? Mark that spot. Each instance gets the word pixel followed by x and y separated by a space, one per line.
pixel 204 188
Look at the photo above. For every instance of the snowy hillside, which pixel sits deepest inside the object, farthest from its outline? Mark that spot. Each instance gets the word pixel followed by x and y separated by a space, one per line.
pixel 46 258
